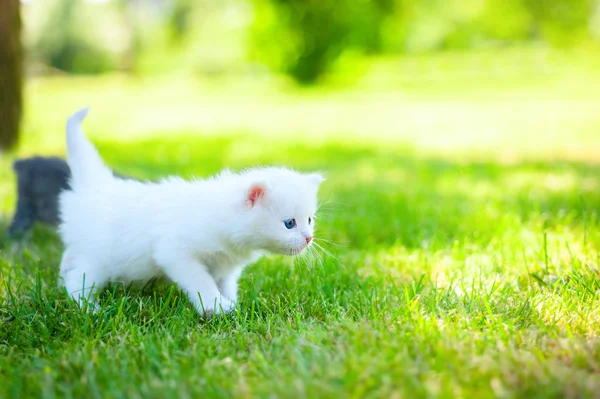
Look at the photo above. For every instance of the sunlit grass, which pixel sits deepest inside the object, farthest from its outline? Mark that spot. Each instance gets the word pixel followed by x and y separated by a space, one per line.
pixel 509 104
pixel 462 264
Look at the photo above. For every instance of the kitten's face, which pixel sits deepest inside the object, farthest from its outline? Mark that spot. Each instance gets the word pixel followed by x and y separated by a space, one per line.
pixel 285 214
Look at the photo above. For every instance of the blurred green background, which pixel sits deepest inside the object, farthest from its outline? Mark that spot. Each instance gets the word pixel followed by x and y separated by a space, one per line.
pixel 307 40
pixel 460 139
pixel 495 80
pixel 443 74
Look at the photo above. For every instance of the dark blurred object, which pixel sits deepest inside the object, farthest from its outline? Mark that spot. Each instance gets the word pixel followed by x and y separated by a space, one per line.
pixel 315 38
pixel 11 72
pixel 317 32
pixel 321 37
pixel 39 182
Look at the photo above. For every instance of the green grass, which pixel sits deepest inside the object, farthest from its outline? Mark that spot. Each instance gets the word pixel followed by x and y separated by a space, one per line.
pixel 462 270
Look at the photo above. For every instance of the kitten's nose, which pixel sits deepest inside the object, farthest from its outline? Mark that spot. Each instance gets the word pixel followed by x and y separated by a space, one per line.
pixel 308 240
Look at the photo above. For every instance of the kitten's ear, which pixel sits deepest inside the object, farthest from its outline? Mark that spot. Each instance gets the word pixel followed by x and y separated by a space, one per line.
pixel 316 178
pixel 256 193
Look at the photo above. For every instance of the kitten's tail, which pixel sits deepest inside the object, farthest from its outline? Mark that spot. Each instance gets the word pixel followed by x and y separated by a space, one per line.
pixel 87 168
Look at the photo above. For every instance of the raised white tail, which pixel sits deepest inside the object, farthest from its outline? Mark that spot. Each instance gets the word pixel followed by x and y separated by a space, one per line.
pixel 86 165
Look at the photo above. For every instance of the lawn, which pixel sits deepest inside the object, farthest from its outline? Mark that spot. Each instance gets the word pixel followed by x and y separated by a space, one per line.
pixel 460 222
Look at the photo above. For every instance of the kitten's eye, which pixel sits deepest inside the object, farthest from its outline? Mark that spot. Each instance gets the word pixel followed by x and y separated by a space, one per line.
pixel 290 223
pixel 309 220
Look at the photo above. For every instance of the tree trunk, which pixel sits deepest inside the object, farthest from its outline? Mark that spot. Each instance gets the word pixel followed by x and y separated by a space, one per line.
pixel 11 73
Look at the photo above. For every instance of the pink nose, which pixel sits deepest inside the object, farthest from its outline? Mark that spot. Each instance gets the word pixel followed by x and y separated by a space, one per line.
pixel 308 240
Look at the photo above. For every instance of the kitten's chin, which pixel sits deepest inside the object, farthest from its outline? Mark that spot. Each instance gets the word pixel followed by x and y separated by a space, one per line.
pixel 289 251
pixel 297 251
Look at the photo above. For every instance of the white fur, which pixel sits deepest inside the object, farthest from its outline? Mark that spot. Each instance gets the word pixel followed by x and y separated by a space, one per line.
pixel 199 234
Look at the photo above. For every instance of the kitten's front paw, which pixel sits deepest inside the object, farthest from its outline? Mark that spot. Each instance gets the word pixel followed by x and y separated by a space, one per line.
pixel 225 306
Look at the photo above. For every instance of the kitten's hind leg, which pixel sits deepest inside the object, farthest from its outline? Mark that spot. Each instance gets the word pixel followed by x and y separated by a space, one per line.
pixel 80 279
pixel 194 278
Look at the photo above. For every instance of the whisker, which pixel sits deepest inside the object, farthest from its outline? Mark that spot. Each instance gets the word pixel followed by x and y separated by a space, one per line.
pixel 339 245
pixel 310 255
pixel 326 251
pixel 294 253
pixel 314 254
pixel 328 202
pixel 317 255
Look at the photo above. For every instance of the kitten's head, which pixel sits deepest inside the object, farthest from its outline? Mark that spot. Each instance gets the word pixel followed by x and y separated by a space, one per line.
pixel 282 205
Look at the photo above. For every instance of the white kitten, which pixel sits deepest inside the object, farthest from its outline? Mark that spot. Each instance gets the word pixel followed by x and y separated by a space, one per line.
pixel 199 234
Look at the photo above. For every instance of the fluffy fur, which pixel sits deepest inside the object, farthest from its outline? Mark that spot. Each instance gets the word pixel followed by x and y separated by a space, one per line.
pixel 199 234
pixel 39 182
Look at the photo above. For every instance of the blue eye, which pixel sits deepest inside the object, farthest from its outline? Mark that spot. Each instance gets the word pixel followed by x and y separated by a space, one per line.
pixel 290 223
